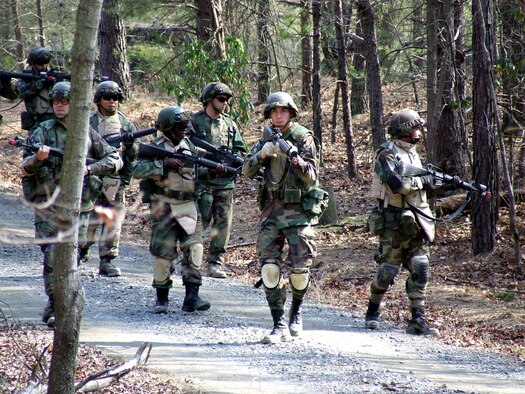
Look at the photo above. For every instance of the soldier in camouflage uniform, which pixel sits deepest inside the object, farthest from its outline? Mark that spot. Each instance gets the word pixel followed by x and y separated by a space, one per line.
pixel 215 193
pixel 406 226
pixel 35 92
pixel 109 122
pixel 42 175
pixel 174 215
pixel 290 200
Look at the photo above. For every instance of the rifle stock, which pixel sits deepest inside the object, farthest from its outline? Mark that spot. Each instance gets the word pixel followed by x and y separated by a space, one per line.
pixel 148 151
pixel 22 143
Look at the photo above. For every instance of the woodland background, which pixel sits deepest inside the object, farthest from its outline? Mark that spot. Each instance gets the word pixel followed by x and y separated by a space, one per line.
pixel 348 64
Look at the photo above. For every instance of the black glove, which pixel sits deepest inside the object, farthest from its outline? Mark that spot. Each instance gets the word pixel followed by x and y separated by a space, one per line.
pixel 428 182
pixel 127 139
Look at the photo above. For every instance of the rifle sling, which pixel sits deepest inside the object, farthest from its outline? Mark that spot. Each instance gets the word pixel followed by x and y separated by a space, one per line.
pixel 450 218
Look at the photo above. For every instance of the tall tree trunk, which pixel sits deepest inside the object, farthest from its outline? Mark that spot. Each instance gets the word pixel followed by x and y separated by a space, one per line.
pixel 263 52
pixel 432 69
pixel 18 30
pixel 358 101
pixel 373 72
pixel 306 52
pixel 316 87
pixel 343 78
pixel 485 122
pixel 69 293
pixel 40 17
pixel 448 134
pixel 210 27
pixel 113 57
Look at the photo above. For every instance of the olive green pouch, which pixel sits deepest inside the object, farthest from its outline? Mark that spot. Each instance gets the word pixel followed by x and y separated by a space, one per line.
pixel 376 222
pixel 292 196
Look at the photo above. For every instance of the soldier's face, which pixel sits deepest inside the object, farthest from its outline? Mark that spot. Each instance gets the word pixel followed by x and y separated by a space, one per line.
pixel 280 116
pixel 219 103
pixel 109 105
pixel 61 108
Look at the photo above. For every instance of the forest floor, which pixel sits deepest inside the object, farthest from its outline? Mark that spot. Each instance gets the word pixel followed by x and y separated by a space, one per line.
pixel 476 302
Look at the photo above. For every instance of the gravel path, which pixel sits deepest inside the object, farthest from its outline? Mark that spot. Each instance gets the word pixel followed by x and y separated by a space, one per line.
pixel 219 349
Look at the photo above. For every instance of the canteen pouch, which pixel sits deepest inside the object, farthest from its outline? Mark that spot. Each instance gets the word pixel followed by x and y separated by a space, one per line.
pixel 408 225
pixel 315 201
pixel 292 196
pixel 92 188
pixel 376 222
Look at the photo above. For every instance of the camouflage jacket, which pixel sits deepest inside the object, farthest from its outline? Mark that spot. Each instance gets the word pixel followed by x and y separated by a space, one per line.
pixel 53 134
pixel 35 95
pixel 111 126
pixel 294 186
pixel 218 132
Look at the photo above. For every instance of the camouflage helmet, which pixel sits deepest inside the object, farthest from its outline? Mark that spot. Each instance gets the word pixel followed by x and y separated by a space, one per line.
pixel 108 88
pixel 60 90
pixel 170 117
pixel 280 99
pixel 215 89
pixel 403 122
pixel 38 55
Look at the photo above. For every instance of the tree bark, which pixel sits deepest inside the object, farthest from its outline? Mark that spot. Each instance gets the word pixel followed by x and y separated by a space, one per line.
pixel 113 58
pixel 306 52
pixel 359 101
pixel 40 17
pixel 17 30
pixel 485 122
pixel 69 293
pixel 373 72
pixel 210 27
pixel 316 87
pixel 264 57
pixel 343 78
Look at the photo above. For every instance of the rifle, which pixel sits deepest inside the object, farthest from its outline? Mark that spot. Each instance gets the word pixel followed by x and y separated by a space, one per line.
pixel 22 142
pixel 115 141
pixel 51 75
pixel 407 169
pixel 274 134
pixel 147 151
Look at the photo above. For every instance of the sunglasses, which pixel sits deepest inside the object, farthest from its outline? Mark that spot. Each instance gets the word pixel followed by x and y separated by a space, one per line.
pixel 111 97
pixel 222 99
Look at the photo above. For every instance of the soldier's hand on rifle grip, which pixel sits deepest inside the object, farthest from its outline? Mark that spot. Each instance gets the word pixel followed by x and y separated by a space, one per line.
pixel 270 149
pixel 173 164
pixel 127 139
pixel 220 169
pixel 49 81
pixel 428 182
pixel 297 161
pixel 456 181
pixel 42 153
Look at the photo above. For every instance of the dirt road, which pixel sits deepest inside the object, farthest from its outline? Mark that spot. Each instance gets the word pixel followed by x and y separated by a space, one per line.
pixel 219 350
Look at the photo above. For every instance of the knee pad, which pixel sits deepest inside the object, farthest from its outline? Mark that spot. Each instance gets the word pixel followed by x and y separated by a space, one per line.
pixel 419 264
pixel 195 255
pixel 300 278
pixel 161 270
pixel 385 275
pixel 271 275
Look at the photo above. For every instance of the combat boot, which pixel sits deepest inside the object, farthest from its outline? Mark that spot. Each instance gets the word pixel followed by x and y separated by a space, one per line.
pixel 296 320
pixel 84 254
pixel 280 331
pixel 372 316
pixel 418 324
pixel 48 316
pixel 161 304
pixel 215 271
pixel 192 301
pixel 108 269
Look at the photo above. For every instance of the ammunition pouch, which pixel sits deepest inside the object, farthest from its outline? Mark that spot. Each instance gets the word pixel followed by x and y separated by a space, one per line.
pixel 315 201
pixel 92 188
pixel 146 187
pixel 408 225
pixel 376 222
pixel 27 120
pixel 38 184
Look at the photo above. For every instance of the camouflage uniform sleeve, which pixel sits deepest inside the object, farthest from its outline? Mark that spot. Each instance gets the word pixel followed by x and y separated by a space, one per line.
pixel 25 89
pixel 30 164
pixel 387 168
pixel 253 161
pixel 306 169
pixel 145 168
pixel 109 161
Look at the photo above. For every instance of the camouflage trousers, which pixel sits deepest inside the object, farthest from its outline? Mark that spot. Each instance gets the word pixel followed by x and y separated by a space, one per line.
pixel 401 248
pixel 46 230
pixel 109 239
pixel 166 235
pixel 301 252
pixel 216 205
